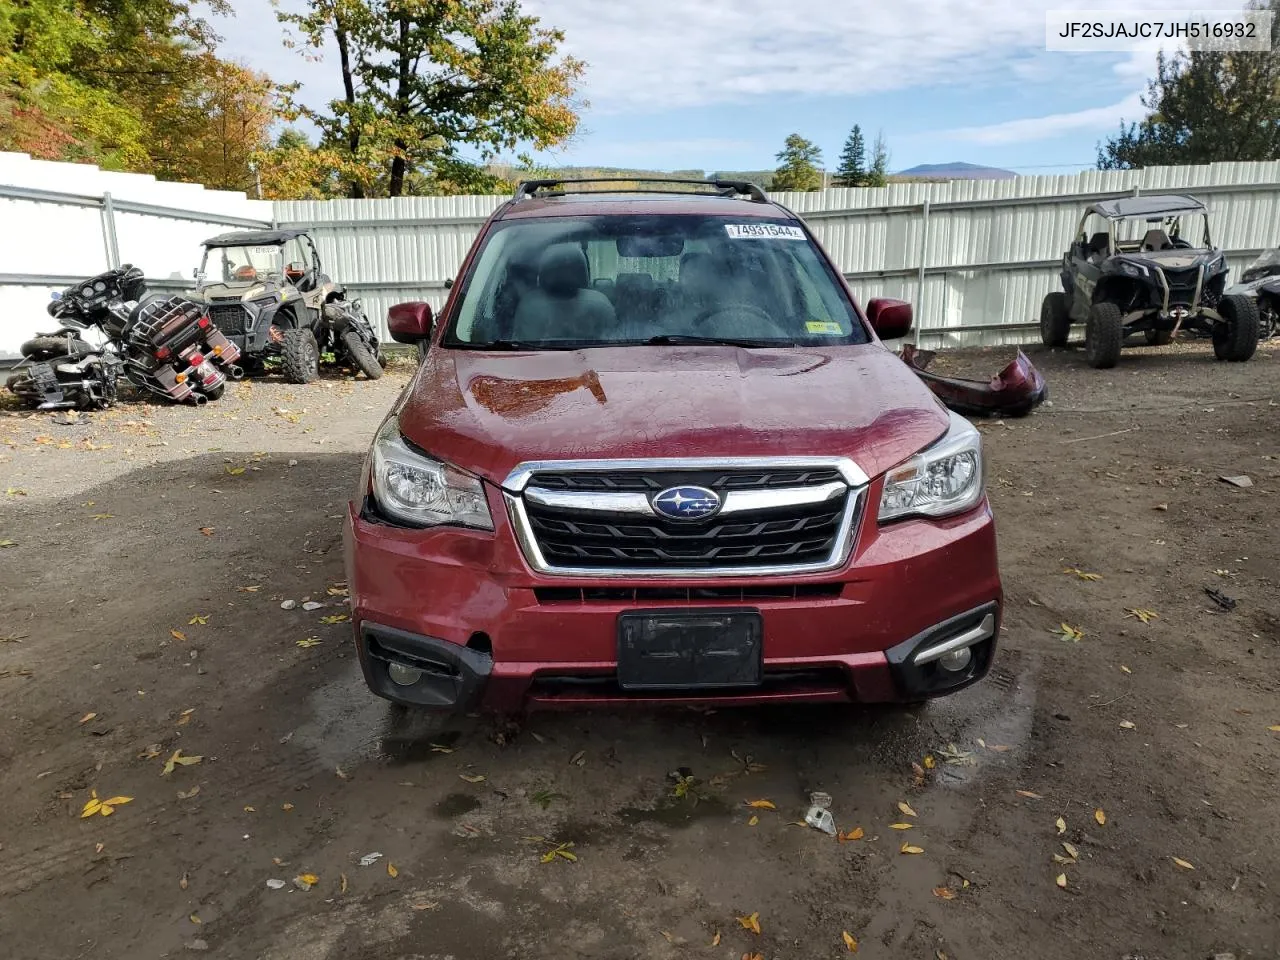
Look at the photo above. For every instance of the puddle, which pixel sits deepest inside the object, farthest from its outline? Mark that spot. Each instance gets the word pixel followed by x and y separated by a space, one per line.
pixel 676 813
pixel 410 745
pixel 456 804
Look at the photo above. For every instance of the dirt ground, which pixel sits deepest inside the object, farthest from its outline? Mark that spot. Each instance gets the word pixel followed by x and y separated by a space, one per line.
pixel 145 555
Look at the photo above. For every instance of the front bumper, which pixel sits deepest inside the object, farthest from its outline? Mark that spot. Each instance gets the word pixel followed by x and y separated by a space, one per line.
pixel 490 634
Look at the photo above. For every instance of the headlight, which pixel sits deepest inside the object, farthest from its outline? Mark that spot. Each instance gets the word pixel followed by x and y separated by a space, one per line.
pixel 942 480
pixel 417 490
pixel 1133 269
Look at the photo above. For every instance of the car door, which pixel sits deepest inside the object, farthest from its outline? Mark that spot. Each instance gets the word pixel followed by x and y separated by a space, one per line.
pixel 1084 268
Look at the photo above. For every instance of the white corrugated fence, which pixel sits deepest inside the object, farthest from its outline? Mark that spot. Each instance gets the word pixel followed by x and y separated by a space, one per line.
pixel 975 256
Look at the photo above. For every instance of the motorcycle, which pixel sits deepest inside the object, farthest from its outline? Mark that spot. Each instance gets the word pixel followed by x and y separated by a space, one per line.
pixel 162 345
pixel 1261 282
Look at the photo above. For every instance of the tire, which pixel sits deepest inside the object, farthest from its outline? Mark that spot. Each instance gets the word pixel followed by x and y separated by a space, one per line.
pixel 215 393
pixel 47 348
pixel 1103 335
pixel 1236 337
pixel 1158 338
pixel 301 356
pixel 364 358
pixel 1055 320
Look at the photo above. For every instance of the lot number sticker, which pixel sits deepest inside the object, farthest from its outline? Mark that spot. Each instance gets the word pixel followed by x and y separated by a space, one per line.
pixel 763 231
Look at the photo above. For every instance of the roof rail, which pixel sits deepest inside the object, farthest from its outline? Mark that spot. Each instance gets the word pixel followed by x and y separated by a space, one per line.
pixel 725 188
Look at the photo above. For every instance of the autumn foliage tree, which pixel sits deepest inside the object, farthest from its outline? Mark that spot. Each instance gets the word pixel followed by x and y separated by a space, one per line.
pixel 423 81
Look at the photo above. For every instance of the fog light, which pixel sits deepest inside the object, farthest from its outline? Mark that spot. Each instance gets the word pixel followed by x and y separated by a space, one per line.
pixel 403 675
pixel 956 660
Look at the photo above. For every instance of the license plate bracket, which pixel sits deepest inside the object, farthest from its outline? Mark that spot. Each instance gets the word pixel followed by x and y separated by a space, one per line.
pixel 690 649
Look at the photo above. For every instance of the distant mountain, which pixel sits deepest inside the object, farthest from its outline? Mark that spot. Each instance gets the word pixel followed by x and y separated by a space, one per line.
pixel 956 170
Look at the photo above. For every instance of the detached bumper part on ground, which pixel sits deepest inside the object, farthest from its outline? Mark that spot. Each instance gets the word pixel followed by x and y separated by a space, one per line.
pixel 1013 392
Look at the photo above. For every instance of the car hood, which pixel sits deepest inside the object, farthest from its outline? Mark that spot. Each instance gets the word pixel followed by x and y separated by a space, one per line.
pixel 488 412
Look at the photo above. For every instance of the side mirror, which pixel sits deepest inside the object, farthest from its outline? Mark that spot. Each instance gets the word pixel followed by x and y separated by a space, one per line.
pixel 410 322
pixel 890 319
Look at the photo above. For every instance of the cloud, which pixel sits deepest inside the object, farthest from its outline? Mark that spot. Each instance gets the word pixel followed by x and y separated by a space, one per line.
pixel 679 153
pixel 1047 127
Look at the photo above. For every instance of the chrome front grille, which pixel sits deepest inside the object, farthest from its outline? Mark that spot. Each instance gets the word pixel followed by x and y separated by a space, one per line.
pixel 596 519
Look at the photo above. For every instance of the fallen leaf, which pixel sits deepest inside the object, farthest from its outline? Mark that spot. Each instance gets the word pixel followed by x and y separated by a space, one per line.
pixel 762 804
pixel 472 777
pixel 919 774
pixel 579 758
pixel 1072 852
pixel 908 848
pixel 342 774
pixel 1140 613
pixel 1061 881
pixel 309 642
pixel 753 821
pixel 750 922
pixel 1090 577
pixel 336 591
pixel 440 748
pixel 194 918
pixel 1128 725
pixel 392 872
pixel 1101 816
pixel 199 618
pixel 183 884
pixel 854 834
pixel 102 516
pixel 1030 795
pixel 177 634
pixel 91 806
pixel 1274 728
pixel 1061 825
pixel 249 809
pixel 906 809
pixel 900 826
pixel 1125 669
pixel 234 471
pixel 1161 506
pixel 185 716
pixel 207 531
pixel 1069 633
pixel 254 588
pixel 1065 861
pixel 178 760
pixel 1182 863
pixel 945 893
pixel 306 880
pixel 286 807
pixel 86 718
pixel 99 847
pixel 8 543
pixel 849 942
pixel 188 794
pixel 929 762
pixel 715 941
pixel 335 618
pixel 342 885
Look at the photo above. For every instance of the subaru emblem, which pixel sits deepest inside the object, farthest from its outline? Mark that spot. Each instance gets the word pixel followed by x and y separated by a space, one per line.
pixel 686 503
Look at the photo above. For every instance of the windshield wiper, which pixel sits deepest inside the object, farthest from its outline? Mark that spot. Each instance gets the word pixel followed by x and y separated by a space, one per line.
pixel 504 345
pixel 668 339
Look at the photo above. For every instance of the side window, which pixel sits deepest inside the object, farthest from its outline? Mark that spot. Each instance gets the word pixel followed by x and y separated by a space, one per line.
pixel 294 252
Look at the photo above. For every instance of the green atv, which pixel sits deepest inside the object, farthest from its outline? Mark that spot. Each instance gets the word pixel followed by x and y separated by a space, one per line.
pixel 267 292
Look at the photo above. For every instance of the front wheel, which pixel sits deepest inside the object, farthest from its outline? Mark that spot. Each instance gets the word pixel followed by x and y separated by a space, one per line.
pixel 1235 337
pixel 301 356
pixel 1055 319
pixel 365 359
pixel 1103 336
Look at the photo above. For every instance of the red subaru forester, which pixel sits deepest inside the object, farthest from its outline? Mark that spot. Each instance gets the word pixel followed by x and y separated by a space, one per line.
pixel 654 452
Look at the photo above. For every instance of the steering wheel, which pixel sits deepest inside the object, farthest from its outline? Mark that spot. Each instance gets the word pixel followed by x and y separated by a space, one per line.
pixel 703 317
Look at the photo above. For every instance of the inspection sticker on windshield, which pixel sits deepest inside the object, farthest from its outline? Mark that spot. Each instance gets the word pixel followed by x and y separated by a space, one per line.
pixel 763 231
pixel 823 326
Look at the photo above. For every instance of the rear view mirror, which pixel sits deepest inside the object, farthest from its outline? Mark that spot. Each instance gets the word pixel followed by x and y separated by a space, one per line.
pixel 890 319
pixel 642 246
pixel 410 322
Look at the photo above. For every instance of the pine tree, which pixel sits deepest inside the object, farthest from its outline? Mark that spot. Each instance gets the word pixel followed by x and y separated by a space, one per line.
pixel 799 170
pixel 852 171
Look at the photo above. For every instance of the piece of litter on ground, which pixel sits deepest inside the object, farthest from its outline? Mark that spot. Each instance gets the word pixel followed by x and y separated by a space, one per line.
pixel 369 859
pixel 311 605
pixel 1221 599
pixel 276 884
pixel 820 819
pixel 288 604
pixel 1238 481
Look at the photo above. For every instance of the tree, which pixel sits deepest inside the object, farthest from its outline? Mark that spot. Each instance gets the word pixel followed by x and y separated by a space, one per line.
pixel 852 171
pixel 879 174
pixel 799 168
pixel 422 80
pixel 1203 107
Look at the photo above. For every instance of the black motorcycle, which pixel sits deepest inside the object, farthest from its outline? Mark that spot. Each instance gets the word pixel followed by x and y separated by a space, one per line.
pixel 162 345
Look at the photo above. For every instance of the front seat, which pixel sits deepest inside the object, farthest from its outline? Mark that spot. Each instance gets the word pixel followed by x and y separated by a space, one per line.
pixel 1156 240
pixel 564 307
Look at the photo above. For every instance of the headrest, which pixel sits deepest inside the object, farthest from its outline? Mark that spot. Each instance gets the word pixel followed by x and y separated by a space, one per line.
pixel 634 282
pixel 562 270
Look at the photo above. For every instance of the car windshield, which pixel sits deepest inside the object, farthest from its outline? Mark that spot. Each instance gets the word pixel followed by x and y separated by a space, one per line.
pixel 1267 264
pixel 247 264
pixel 1162 232
pixel 562 282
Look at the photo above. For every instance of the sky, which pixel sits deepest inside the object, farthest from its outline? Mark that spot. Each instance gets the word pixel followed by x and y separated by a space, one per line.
pixel 719 84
